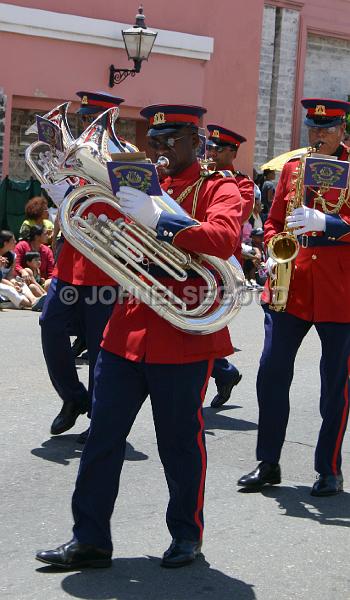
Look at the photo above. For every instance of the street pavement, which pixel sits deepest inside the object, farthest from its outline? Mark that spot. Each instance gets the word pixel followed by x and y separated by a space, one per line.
pixel 275 545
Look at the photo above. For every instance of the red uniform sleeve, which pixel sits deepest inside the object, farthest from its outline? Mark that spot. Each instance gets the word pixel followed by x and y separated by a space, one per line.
pixel 277 215
pixel 246 189
pixel 219 235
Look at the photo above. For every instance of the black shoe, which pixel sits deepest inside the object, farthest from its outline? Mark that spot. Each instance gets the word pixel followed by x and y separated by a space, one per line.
pixel 78 346
pixel 327 485
pixel 67 416
pixel 224 391
pixel 76 556
pixel 264 473
pixel 81 439
pixel 181 553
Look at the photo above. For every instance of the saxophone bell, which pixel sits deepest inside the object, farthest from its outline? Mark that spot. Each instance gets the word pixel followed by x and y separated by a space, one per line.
pixel 283 247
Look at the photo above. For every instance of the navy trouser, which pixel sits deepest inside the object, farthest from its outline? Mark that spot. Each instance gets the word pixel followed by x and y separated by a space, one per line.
pixel 177 393
pixel 283 336
pixel 64 305
pixel 224 371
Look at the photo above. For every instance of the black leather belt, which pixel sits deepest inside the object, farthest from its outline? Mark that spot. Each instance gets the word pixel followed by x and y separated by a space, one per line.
pixel 308 241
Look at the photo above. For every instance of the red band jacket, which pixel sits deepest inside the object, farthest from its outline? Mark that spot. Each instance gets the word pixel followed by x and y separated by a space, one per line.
pixel 137 332
pixel 320 285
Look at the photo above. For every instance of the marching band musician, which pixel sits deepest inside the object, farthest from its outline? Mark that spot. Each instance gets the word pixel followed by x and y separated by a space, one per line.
pixel 221 147
pixel 79 291
pixel 144 354
pixel 318 295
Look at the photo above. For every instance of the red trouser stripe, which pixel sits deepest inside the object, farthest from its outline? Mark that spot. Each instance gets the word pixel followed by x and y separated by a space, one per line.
pixel 342 424
pixel 200 497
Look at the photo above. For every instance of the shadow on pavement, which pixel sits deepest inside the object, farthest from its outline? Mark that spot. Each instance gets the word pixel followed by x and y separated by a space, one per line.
pixel 297 502
pixel 142 579
pixel 59 449
pixel 63 448
pixel 214 419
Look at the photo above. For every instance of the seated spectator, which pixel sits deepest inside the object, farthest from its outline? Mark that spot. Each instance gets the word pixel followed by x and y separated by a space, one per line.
pixel 33 263
pixel 37 213
pixel 7 245
pixel 15 292
pixel 35 242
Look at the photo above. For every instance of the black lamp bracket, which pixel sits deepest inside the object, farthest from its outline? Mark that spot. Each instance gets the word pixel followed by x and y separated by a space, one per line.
pixel 118 75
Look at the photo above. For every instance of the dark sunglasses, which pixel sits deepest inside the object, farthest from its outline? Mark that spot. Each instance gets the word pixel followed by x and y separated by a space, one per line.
pixel 218 149
pixel 168 142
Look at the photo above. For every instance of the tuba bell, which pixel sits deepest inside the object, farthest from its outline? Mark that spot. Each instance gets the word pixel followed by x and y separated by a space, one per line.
pixel 125 250
pixel 46 163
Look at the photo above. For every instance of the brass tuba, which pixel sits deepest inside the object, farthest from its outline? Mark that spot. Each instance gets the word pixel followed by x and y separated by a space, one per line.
pixel 284 246
pixel 46 163
pixel 126 251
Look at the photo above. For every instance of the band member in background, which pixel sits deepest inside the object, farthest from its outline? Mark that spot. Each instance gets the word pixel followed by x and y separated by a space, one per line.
pixel 144 354
pixel 77 293
pixel 221 147
pixel 318 296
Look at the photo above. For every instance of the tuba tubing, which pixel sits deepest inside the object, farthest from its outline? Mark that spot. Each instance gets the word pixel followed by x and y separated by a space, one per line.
pixel 123 249
pixel 116 263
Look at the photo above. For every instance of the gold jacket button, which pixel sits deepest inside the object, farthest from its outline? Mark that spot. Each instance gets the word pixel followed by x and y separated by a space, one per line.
pixel 314 234
pixel 314 256
pixel 170 191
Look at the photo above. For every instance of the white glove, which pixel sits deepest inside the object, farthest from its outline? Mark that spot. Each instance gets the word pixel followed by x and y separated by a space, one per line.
pixel 270 265
pixel 139 206
pixel 56 191
pixel 306 219
pixel 248 250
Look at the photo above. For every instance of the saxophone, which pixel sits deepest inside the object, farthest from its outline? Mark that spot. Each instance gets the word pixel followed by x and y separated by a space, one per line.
pixel 284 246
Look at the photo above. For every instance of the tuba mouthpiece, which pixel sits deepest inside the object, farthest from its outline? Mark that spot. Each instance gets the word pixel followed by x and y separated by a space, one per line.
pixel 162 161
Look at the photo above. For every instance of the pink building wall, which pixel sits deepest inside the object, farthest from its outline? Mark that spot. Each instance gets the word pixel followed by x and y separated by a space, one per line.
pixel 38 72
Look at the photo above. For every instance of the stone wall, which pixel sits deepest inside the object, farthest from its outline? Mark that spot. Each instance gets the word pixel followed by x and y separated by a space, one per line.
pixel 2 126
pixel 326 71
pixel 22 119
pixel 276 82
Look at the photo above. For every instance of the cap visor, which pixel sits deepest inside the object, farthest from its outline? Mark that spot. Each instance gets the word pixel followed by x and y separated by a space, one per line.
pixel 155 132
pixel 86 110
pixel 323 123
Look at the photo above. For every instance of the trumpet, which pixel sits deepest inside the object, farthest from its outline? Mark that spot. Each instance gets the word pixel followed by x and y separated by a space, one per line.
pixel 207 164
